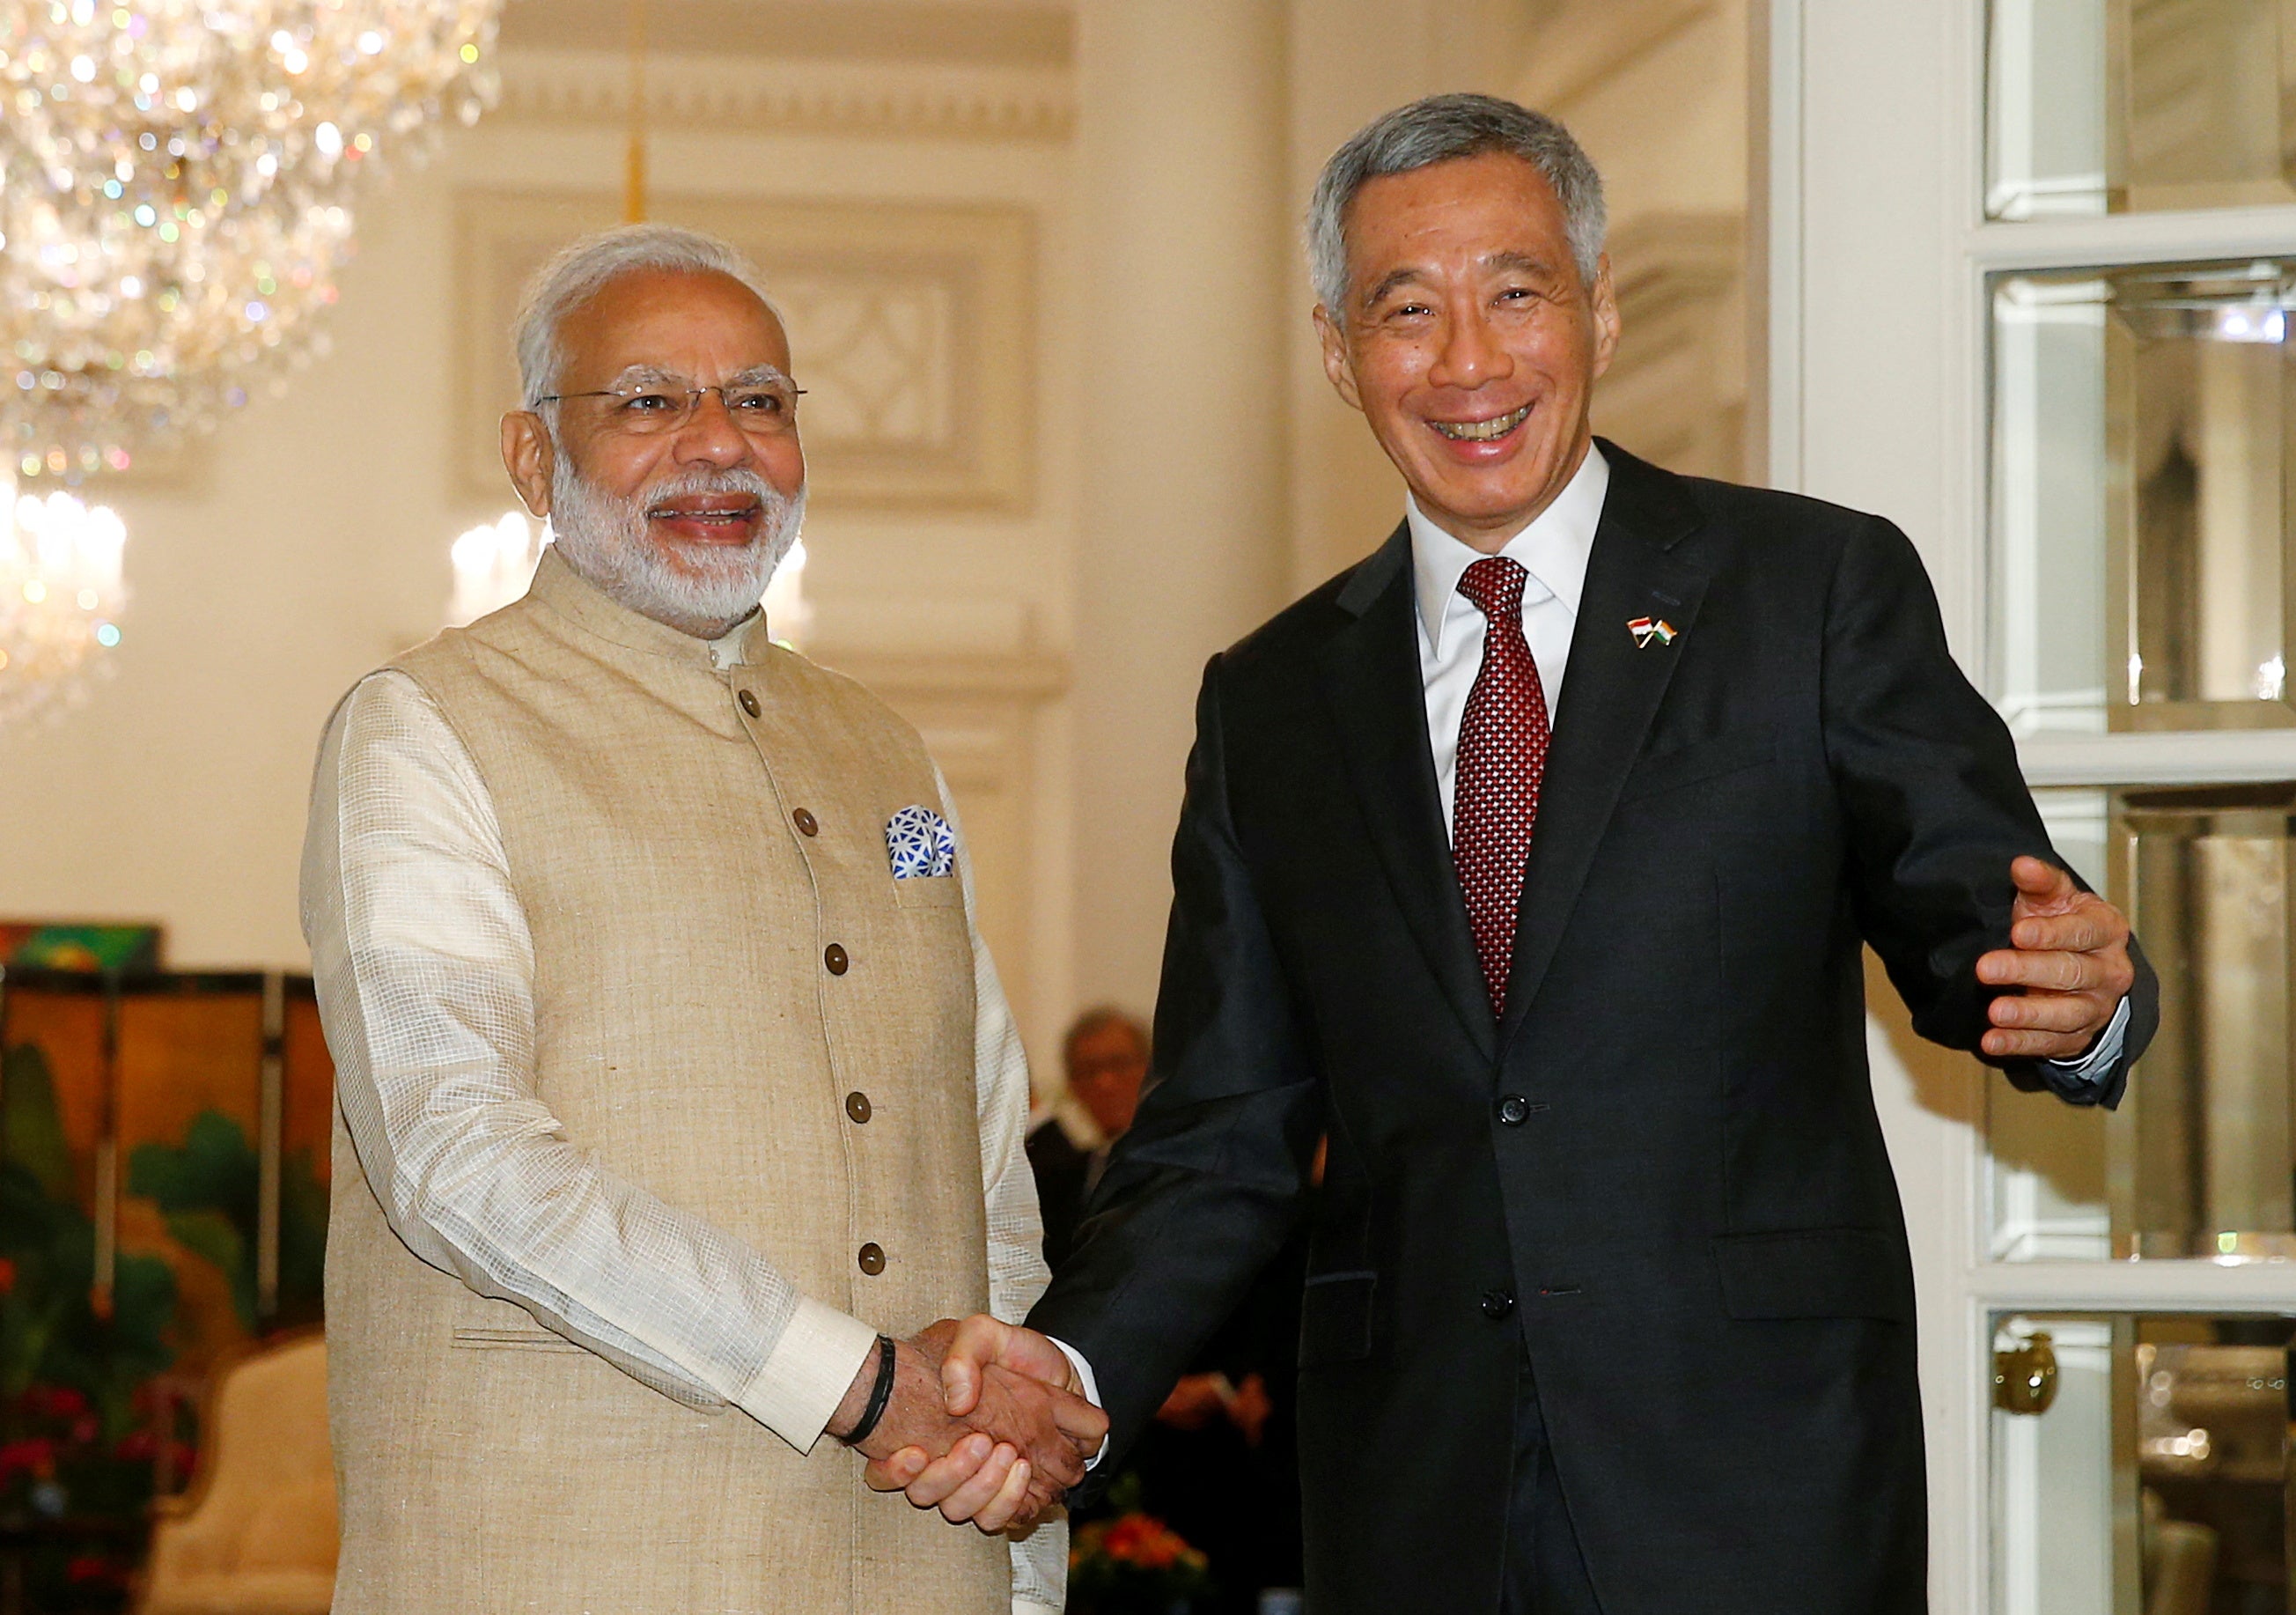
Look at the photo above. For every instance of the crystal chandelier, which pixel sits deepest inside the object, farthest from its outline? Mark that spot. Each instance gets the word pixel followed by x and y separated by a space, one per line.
pixel 60 596
pixel 175 178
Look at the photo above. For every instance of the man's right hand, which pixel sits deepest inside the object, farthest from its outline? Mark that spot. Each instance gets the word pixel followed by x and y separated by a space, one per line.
pixel 983 1359
pixel 1011 1454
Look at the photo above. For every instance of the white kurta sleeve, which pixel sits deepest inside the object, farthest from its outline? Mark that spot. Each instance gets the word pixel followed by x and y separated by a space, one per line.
pixel 1017 1274
pixel 425 972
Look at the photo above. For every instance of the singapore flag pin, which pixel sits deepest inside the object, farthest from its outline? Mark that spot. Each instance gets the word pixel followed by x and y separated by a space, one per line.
pixel 1651 630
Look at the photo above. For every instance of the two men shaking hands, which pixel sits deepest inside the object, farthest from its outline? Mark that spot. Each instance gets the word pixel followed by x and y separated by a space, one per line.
pixel 668 1050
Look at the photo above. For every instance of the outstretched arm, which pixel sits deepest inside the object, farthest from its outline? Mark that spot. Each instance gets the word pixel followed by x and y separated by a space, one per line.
pixel 1995 946
pixel 1207 1185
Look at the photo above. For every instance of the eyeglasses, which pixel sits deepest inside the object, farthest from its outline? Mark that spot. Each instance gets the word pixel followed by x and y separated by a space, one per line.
pixel 762 405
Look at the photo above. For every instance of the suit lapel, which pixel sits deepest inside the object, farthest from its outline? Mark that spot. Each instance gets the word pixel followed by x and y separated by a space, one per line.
pixel 1378 701
pixel 1609 697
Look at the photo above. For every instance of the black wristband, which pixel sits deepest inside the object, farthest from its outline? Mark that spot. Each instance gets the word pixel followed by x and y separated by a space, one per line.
pixel 880 1393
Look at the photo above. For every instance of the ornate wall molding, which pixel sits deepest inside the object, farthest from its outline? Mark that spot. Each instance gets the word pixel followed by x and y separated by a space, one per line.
pixel 912 325
pixel 763 94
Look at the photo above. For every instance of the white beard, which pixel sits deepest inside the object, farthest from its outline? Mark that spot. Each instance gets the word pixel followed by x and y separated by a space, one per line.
pixel 603 537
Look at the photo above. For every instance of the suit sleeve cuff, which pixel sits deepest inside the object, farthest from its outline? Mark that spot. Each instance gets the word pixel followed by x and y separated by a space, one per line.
pixel 808 1373
pixel 2075 1077
pixel 1091 1387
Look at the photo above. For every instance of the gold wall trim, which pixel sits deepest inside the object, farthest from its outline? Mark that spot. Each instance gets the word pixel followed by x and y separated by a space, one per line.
pixel 1010 33
pixel 754 94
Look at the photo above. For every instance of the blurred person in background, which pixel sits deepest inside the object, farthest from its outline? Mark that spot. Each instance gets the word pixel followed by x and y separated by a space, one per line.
pixel 1104 1060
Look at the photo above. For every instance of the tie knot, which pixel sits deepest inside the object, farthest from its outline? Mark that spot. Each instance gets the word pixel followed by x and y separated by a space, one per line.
pixel 1494 584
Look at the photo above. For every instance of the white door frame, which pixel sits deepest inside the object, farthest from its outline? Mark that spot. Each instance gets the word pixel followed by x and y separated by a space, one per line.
pixel 1869 174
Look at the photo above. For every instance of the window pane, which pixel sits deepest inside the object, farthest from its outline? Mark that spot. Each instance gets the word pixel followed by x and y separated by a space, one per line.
pixel 2200 1160
pixel 2141 472
pixel 2205 1136
pixel 2100 106
pixel 2149 1473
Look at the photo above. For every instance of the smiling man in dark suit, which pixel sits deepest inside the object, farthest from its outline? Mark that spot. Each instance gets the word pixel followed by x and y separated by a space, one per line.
pixel 1532 859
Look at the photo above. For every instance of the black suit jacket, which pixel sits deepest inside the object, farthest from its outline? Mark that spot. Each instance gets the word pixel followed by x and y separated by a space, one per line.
pixel 1061 1170
pixel 1660 1171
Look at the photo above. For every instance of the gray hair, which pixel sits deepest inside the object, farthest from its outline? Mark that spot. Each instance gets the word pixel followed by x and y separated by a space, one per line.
pixel 581 269
pixel 1438 129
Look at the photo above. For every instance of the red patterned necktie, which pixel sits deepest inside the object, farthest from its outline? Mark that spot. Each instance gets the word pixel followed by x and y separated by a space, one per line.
pixel 1502 740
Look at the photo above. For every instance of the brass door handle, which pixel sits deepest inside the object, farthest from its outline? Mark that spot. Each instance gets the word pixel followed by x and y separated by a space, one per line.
pixel 2025 1380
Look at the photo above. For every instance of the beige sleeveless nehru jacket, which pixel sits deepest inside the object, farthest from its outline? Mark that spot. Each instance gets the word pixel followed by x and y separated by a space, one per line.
pixel 674 1093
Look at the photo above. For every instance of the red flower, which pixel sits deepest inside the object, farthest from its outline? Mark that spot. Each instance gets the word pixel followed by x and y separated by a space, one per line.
pixel 36 1456
pixel 1140 1540
pixel 54 1401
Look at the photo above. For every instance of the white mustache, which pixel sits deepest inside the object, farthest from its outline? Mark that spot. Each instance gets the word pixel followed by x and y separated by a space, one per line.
pixel 700 483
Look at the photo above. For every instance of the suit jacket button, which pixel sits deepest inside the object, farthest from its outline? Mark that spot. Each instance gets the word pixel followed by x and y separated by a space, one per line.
pixel 749 700
pixel 1497 1304
pixel 873 1259
pixel 857 1106
pixel 806 824
pixel 1514 1108
pixel 834 957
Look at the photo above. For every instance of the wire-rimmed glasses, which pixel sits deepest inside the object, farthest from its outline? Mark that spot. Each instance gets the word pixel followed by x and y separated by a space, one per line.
pixel 762 402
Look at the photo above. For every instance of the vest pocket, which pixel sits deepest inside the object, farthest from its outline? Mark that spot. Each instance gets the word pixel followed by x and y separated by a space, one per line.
pixel 511 1339
pixel 929 891
pixel 1335 1318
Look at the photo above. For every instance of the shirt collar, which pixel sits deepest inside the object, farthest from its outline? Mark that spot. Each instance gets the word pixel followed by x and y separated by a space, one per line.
pixel 1553 549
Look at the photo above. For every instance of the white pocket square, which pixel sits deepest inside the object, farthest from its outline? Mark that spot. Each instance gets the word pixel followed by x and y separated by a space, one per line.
pixel 920 842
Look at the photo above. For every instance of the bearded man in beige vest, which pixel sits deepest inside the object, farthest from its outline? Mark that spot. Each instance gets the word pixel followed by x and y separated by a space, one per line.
pixel 671 1068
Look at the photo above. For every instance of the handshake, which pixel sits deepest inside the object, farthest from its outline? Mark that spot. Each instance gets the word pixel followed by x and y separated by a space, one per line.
pixel 984 1420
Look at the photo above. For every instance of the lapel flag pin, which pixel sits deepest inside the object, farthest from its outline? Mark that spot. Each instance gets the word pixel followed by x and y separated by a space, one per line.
pixel 1651 630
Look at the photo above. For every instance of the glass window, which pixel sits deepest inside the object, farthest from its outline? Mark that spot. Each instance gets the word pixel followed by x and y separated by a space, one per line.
pixel 2140 1462
pixel 2205 1135
pixel 2142 420
pixel 2200 1160
pixel 2114 106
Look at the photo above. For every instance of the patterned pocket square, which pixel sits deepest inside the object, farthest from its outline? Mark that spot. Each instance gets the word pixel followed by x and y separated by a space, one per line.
pixel 921 844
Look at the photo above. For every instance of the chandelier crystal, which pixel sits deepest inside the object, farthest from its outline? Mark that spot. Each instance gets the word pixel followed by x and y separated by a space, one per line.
pixel 60 597
pixel 175 180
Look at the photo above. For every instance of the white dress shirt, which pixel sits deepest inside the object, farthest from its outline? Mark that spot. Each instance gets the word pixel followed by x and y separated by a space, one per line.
pixel 409 906
pixel 1553 550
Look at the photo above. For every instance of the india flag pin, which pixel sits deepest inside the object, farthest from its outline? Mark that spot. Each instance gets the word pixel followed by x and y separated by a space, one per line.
pixel 1651 630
